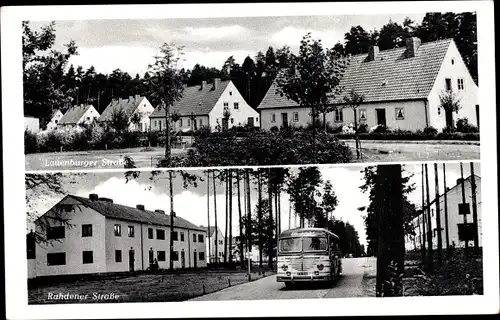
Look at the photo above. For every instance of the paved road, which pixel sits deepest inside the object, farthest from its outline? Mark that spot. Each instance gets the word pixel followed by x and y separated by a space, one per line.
pixel 401 151
pixel 350 284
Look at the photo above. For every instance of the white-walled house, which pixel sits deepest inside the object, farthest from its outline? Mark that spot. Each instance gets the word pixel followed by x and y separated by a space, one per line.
pixel 216 248
pixel 401 89
pixel 78 115
pixel 204 106
pixel 31 124
pixel 456 229
pixel 54 120
pixel 133 105
pixel 94 235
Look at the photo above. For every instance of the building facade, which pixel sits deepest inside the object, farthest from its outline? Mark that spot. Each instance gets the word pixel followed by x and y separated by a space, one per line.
pixel 94 235
pixel 458 232
pixel 216 249
pixel 219 104
pixel 54 121
pixel 78 115
pixel 401 89
pixel 31 124
pixel 137 109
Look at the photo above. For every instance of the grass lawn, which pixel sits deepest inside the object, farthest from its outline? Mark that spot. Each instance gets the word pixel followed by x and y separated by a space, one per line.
pixel 141 288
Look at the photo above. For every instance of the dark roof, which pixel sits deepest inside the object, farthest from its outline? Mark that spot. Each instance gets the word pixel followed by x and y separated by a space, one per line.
pixel 121 212
pixel 74 114
pixel 127 105
pixel 404 78
pixel 195 100
pixel 288 233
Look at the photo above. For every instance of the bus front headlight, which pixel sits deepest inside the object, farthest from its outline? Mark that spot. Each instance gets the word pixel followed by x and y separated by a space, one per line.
pixel 320 267
pixel 284 267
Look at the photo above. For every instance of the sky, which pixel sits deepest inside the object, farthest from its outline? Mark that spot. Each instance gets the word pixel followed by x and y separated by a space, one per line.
pixel 191 203
pixel 131 44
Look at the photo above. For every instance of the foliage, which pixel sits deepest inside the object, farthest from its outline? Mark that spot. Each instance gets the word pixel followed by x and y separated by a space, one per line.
pixel 430 130
pixel 363 128
pixel 261 233
pixel 449 101
pixel 30 142
pixel 119 120
pixel 348 237
pixel 464 126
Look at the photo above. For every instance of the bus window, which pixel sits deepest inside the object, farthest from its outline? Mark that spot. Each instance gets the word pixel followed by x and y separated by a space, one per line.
pixel 314 244
pixel 290 245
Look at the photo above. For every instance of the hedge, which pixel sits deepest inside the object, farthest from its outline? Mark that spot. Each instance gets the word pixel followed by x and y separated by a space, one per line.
pixel 471 136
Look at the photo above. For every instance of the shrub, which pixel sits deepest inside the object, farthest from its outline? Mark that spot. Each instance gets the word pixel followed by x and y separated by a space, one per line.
pixel 464 126
pixel 153 138
pixel 130 139
pixel 363 128
pixel 274 129
pixel 30 142
pixel 449 129
pixel 380 129
pixel 348 128
pixel 430 130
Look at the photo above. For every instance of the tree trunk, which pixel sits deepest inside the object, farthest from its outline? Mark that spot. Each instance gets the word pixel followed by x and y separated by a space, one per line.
pixel 259 222
pixel 324 121
pixel 167 137
pixel 474 207
pixel 216 228
pixel 208 214
pixel 249 213
pixel 170 177
pixel 438 216
pixel 270 227
pixel 429 224
pixel 313 115
pixel 230 172
pixel 446 210
pixel 463 202
pixel 227 220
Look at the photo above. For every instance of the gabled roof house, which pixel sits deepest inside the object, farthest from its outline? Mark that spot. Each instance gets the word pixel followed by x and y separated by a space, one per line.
pixel 82 114
pixel 134 105
pixel 206 105
pixel 401 89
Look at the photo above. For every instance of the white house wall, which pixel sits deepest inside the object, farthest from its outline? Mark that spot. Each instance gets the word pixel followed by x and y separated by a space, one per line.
pixel 145 109
pixel 183 124
pixel 220 247
pixel 31 124
pixel 74 244
pixel 123 243
pixel 238 116
pixel 468 96
pixel 89 116
pixel 52 125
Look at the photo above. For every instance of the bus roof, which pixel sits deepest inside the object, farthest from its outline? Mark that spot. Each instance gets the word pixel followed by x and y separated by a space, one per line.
pixel 294 232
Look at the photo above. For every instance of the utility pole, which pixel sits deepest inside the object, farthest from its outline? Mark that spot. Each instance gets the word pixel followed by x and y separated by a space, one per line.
pixel 208 212
pixel 474 207
pixel 429 222
pixel 172 214
pixel 464 210
pixel 446 209
pixel 438 216
pixel 422 233
pixel 215 216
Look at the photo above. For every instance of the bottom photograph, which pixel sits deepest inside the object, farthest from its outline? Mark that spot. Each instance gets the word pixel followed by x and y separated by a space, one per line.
pixel 254 233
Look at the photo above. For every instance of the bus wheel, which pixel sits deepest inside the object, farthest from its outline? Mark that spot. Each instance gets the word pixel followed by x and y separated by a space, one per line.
pixel 288 285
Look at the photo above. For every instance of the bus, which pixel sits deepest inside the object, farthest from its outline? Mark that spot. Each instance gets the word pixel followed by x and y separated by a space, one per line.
pixel 308 255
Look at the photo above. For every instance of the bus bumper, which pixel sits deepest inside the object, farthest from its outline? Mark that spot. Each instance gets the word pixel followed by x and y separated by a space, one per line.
pixel 308 278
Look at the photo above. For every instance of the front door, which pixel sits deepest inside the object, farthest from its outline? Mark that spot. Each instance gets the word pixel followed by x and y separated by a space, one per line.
pixel 250 121
pixel 449 117
pixel 477 115
pixel 195 259
pixel 284 120
pixel 183 259
pixel 131 259
pixel 381 117
pixel 225 123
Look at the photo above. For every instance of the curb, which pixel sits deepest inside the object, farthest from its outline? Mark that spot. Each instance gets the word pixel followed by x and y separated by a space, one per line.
pixel 451 142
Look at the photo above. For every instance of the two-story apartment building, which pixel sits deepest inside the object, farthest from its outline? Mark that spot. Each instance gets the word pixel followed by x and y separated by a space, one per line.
pixel 401 89
pixel 136 108
pixel 78 115
pixel 457 232
pixel 219 104
pixel 94 235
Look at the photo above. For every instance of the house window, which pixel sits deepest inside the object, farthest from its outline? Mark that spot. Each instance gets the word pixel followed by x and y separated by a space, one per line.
pixel 56 121
pixel 202 255
pixel 201 122
pixel 160 124
pixel 339 117
pixel 118 230
pixel 220 242
pixel 220 254
pixel 400 114
pixel 131 231
pixel 230 93
pixel 56 259
pixel 87 257
pixel 175 255
pixel 174 235
pixel 86 230
pixel 466 232
pixel 55 233
pixel 31 246
pixel 448 84
pixel 362 114
pixel 88 118
pixel 189 123
pixel 180 122
pixel 160 234
pixel 194 237
pixel 200 238
pixel 273 117
pixel 452 61
pixel 226 104
pixel 295 117
pixel 150 233
pixel 118 256
pixel 182 236
pixel 232 120
pixel 257 119
pixel 236 105
pixel 460 82
pixel 160 255
pixel 439 111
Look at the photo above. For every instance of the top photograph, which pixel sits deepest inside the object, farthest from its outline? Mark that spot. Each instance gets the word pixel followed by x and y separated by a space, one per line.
pixel 252 91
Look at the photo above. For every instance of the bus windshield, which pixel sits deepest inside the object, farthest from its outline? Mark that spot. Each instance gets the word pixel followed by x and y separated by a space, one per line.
pixel 303 244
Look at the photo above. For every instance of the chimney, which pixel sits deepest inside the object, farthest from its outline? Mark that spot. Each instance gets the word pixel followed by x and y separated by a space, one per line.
pixel 94 196
pixel 203 85
pixel 160 211
pixel 373 53
pixel 412 45
pixel 140 207
pixel 216 83
pixel 106 199
pixel 459 181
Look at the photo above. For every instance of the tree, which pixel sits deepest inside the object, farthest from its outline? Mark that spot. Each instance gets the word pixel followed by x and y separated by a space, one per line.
pixel 357 40
pixel 314 76
pixel 392 35
pixel 43 73
pixel 119 120
pixel 330 200
pixel 302 187
pixel 450 102
pixel 262 232
pixel 354 100
pixel 166 85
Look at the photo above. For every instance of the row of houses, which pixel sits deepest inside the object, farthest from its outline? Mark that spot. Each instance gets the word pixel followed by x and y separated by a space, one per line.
pixel 401 89
pixel 457 230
